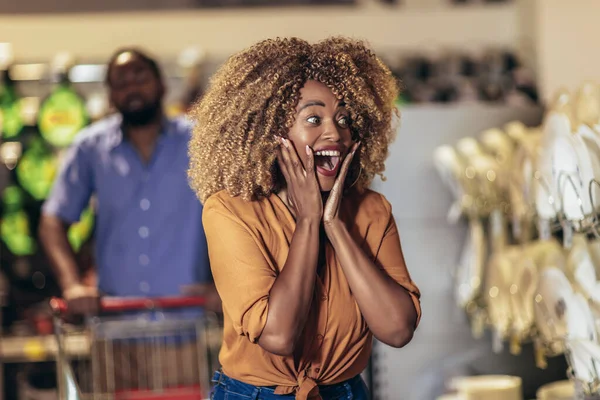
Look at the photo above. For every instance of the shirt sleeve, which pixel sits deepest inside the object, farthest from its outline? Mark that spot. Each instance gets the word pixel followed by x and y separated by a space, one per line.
pixel 242 275
pixel 391 259
pixel 73 187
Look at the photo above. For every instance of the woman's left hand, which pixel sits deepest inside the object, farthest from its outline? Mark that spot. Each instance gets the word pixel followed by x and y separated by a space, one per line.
pixel 332 206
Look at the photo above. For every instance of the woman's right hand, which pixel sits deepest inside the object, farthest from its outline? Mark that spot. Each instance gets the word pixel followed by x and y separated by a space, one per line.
pixel 303 193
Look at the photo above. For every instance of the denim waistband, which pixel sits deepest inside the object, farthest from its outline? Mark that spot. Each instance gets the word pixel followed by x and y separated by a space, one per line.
pixel 334 390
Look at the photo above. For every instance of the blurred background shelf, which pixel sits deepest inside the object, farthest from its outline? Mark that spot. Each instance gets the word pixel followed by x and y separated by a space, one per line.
pixel 26 349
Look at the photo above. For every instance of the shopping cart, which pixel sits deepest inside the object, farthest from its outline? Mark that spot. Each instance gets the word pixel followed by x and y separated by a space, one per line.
pixel 137 349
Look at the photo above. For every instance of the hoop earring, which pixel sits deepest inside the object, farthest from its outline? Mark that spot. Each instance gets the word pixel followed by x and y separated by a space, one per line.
pixel 357 178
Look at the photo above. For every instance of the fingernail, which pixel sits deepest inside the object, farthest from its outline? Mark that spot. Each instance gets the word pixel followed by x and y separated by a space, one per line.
pixel 307 150
pixel 285 142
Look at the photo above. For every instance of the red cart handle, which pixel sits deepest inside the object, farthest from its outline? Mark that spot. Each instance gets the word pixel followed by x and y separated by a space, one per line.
pixel 120 304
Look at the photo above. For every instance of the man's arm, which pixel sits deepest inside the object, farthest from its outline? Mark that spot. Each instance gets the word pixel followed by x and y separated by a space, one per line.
pixel 81 299
pixel 54 239
pixel 70 195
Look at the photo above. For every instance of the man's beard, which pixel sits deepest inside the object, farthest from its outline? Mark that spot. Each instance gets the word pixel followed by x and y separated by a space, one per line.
pixel 142 116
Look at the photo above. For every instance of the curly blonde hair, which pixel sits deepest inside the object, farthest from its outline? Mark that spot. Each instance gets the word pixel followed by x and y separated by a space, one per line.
pixel 251 102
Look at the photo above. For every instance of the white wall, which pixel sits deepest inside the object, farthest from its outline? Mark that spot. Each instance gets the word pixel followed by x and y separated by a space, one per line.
pixel 427 27
pixel 568 52
pixel 527 31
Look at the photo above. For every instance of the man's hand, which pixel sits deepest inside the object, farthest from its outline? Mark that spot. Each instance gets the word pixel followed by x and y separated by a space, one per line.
pixel 82 300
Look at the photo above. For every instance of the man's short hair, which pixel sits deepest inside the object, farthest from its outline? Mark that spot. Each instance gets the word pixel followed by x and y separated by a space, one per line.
pixel 139 54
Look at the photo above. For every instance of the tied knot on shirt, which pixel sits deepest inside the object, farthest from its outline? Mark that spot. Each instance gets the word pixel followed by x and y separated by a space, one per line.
pixel 307 389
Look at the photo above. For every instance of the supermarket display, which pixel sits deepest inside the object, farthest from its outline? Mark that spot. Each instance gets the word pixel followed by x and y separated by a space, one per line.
pixel 63 113
pixel 32 156
pixel 36 168
pixel 529 268
pixel 495 76
pixel 15 228
pixel 11 123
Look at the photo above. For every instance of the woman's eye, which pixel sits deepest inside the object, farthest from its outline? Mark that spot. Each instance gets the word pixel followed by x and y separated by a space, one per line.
pixel 313 120
pixel 344 122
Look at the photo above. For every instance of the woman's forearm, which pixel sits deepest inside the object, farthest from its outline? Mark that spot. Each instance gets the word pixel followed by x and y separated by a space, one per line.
pixel 291 295
pixel 386 306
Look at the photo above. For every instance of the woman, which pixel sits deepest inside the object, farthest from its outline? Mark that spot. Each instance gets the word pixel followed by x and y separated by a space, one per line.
pixel 306 259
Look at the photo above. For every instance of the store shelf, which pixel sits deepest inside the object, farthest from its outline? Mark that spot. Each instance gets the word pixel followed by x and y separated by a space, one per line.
pixel 431 246
pixel 41 348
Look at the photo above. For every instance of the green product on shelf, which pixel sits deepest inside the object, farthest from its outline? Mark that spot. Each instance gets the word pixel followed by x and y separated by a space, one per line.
pixel 11 123
pixel 14 225
pixel 14 230
pixel 36 170
pixel 62 115
pixel 81 231
pixel 12 198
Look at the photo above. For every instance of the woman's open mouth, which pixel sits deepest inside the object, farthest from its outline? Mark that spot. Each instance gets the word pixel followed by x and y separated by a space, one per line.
pixel 327 162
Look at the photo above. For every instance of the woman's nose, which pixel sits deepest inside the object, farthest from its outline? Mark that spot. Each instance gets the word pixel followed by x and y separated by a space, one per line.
pixel 331 132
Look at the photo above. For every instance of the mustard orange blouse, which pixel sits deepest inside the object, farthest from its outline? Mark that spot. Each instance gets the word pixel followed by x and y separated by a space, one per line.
pixel 248 244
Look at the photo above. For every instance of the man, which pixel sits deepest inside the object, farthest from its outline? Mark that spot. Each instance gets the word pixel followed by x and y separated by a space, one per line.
pixel 149 236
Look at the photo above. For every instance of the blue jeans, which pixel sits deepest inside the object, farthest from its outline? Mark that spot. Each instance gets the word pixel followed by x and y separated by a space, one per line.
pixel 226 388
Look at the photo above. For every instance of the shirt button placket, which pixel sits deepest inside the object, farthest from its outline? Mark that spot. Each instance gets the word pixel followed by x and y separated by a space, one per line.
pixel 145 204
pixel 144 287
pixel 144 233
pixel 144 259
